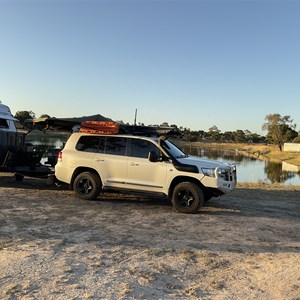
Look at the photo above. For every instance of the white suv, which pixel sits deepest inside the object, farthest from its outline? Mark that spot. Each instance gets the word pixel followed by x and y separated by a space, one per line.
pixel 91 163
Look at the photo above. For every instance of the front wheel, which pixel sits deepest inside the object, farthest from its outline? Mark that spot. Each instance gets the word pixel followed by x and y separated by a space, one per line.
pixel 187 197
pixel 87 186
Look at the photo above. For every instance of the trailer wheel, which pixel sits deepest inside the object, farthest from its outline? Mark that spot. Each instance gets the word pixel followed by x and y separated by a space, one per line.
pixel 19 177
pixel 187 197
pixel 87 185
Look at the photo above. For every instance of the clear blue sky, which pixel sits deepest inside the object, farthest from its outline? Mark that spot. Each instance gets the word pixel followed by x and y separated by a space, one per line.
pixel 191 63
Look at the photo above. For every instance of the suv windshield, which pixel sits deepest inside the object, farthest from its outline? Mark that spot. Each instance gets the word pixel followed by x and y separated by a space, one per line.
pixel 172 149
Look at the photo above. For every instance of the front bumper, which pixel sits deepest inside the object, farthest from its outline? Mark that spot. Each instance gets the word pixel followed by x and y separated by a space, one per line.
pixel 227 180
pixel 224 181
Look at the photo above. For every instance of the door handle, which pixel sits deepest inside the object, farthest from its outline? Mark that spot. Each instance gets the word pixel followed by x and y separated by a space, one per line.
pixel 134 164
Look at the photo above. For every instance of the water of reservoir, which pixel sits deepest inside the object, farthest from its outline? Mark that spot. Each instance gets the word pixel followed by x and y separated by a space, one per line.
pixel 251 169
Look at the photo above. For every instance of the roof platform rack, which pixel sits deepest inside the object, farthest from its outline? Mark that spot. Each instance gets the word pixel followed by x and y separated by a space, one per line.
pixel 111 127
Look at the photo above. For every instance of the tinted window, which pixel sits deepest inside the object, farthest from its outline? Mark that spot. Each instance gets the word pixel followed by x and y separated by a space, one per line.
pixel 88 144
pixel 102 140
pixel 141 148
pixel 116 145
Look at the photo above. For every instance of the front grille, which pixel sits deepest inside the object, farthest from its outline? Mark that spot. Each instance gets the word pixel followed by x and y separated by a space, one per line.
pixel 233 174
pixel 229 175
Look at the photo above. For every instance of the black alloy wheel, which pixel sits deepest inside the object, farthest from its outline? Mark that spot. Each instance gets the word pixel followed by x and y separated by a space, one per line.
pixel 187 197
pixel 87 186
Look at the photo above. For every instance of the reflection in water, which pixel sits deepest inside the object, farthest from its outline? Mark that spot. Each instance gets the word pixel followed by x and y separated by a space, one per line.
pixel 48 143
pixel 250 169
pixel 55 140
pixel 219 154
pixel 276 174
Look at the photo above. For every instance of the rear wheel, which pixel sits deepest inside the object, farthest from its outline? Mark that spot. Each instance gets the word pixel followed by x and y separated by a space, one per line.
pixel 87 186
pixel 187 197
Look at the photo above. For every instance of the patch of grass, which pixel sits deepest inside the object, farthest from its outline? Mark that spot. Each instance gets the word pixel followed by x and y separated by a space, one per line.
pixel 4 243
pixel 14 291
pixel 165 269
pixel 157 251
pixel 189 255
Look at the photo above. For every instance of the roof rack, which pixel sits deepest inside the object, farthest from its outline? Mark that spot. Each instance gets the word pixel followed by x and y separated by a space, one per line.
pixel 102 127
pixel 111 127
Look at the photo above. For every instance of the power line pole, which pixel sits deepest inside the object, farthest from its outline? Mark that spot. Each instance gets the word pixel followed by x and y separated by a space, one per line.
pixel 135 117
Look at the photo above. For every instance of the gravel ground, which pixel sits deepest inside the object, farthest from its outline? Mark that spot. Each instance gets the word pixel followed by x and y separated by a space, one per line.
pixel 244 245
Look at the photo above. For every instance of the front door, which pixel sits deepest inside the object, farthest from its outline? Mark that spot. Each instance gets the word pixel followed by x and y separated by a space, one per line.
pixel 143 174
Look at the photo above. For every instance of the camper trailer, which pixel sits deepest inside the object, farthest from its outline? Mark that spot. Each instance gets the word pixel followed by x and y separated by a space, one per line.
pixel 15 155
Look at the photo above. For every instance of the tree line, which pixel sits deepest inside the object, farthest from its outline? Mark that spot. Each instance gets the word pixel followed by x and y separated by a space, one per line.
pixel 280 129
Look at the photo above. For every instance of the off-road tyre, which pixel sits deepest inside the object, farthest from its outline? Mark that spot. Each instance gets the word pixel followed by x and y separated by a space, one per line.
pixel 187 197
pixel 87 186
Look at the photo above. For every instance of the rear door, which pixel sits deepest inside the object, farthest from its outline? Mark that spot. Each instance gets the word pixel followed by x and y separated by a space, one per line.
pixel 111 161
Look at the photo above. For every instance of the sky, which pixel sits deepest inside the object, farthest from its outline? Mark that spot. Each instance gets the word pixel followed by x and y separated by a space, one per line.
pixel 196 64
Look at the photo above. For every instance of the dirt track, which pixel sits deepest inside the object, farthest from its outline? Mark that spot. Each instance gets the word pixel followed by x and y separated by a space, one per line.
pixel 55 246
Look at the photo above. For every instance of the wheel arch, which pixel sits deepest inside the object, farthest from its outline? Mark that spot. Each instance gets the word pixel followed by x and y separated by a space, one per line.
pixel 180 179
pixel 79 170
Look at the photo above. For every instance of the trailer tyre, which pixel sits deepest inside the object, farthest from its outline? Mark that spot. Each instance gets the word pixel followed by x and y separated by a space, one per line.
pixel 87 185
pixel 187 197
pixel 19 177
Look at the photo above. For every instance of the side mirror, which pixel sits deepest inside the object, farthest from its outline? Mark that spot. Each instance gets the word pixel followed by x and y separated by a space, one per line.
pixel 152 156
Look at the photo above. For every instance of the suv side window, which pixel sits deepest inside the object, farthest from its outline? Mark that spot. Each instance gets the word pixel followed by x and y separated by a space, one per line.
pixel 87 144
pixel 102 140
pixel 141 148
pixel 116 145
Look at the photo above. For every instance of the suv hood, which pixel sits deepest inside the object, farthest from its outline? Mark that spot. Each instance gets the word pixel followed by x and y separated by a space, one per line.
pixel 202 163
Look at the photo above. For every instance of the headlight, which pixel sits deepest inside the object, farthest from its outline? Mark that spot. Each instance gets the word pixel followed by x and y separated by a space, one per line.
pixel 208 172
pixel 223 173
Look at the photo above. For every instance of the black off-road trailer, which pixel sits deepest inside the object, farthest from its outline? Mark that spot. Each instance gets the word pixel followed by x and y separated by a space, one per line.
pixel 20 158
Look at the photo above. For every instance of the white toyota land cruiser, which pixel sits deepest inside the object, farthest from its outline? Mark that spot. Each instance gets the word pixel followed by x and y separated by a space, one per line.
pixel 91 163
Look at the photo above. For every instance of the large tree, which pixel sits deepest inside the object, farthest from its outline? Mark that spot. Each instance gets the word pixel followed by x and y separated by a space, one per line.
pixel 25 118
pixel 280 129
pixel 214 133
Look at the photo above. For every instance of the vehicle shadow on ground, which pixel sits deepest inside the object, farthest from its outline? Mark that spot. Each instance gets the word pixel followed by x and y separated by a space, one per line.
pixel 9 181
pixel 138 199
pixel 280 204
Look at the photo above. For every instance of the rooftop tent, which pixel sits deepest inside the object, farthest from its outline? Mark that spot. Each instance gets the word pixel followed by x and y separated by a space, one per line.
pixel 6 119
pixel 66 124
pixel 5 113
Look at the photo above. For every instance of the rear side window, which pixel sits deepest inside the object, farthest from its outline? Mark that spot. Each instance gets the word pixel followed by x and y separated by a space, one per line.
pixel 90 144
pixel 116 145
